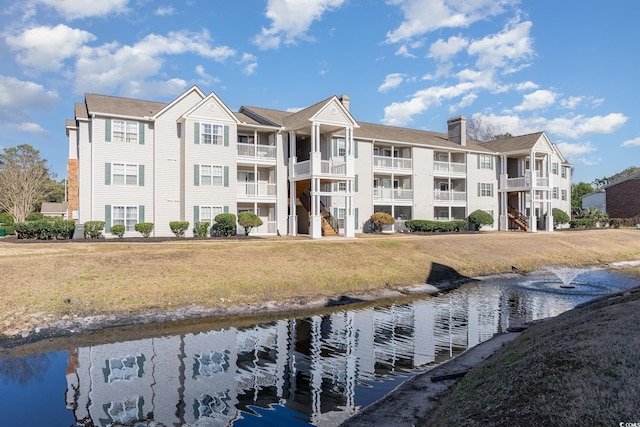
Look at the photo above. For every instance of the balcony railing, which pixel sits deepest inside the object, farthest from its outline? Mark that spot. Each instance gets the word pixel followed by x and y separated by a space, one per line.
pixel 257 151
pixel 267 227
pixel 450 168
pixel 333 168
pixel 449 196
pixel 524 182
pixel 392 194
pixel 256 189
pixel 393 163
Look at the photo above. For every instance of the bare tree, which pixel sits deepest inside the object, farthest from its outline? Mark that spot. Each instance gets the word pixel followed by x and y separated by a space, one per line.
pixel 24 179
pixel 484 132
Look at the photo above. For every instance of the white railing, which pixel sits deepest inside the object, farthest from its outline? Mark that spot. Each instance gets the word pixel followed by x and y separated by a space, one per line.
pixel 448 167
pixel 392 194
pixel 333 168
pixel 256 189
pixel 384 162
pixel 524 181
pixel 449 196
pixel 257 150
pixel 302 168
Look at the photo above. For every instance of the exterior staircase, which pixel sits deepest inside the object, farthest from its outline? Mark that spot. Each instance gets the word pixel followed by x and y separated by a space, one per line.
pixel 330 225
pixel 518 218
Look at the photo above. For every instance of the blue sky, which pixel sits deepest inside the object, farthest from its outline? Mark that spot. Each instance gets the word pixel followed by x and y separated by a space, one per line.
pixel 566 67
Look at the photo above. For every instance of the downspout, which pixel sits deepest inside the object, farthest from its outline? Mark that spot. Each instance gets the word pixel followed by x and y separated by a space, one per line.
pixel 93 118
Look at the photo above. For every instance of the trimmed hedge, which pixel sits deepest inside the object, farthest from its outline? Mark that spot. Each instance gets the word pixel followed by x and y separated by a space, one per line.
pixel 380 220
pixel 118 230
pixel 427 226
pixel 226 224
pixel 248 220
pixel 202 228
pixel 93 229
pixel 478 218
pixel 45 229
pixel 179 227
pixel 144 228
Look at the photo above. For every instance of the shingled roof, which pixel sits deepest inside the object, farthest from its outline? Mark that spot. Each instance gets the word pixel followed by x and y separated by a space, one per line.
pixel 515 143
pixel 121 106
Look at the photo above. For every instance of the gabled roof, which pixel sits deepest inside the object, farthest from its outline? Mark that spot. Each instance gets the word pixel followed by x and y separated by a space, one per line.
pixel 515 143
pixel 121 106
pixel 80 111
pixel 53 207
pixel 213 98
pixel 266 116
pixel 245 119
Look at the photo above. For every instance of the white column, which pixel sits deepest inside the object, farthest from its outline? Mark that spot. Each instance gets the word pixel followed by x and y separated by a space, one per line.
pixel 293 217
pixel 532 213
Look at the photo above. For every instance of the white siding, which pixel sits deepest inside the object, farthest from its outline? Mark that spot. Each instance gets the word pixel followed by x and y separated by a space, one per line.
pixel 422 183
pixel 168 157
pixel 85 167
pixel 363 198
pixel 475 176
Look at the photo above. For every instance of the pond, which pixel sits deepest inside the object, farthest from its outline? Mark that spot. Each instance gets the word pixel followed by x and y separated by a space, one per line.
pixel 318 369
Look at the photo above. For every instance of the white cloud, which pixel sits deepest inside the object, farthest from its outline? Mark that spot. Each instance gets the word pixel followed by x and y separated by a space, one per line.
pixel 165 11
pixel 536 100
pixel 392 81
pixel 443 50
pixel 529 85
pixel 26 127
pixel 110 66
pixel 17 97
pixel 72 9
pixel 404 51
pixel 571 151
pixel 504 49
pixel 250 63
pixel 205 79
pixel 635 142
pixel 290 20
pixel 423 16
pixel 571 102
pixel 45 48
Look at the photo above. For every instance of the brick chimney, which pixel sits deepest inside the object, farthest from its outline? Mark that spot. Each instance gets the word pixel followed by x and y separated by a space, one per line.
pixel 345 101
pixel 457 130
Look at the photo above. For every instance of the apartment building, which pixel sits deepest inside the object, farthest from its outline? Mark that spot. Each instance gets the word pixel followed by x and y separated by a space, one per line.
pixel 316 172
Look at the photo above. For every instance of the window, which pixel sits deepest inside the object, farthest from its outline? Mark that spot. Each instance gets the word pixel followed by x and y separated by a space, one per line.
pixel 554 168
pixel 485 161
pixel 485 189
pixel 563 195
pixel 211 175
pixel 340 147
pixel 124 174
pixel 125 215
pixel 211 134
pixel 123 131
pixel 123 368
pixel 342 186
pixel 245 139
pixel 564 171
pixel 208 213
pixel 554 193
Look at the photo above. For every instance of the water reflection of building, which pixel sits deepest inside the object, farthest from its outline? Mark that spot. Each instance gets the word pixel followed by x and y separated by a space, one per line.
pixel 319 368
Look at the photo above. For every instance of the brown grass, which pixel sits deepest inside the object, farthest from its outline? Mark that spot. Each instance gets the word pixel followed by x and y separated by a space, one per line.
pixel 581 368
pixel 123 277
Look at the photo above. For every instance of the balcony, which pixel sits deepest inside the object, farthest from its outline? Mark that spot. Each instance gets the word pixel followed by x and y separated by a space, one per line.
pixel 392 195
pixel 523 182
pixel 449 168
pixel 267 228
pixel 327 168
pixel 256 190
pixel 448 197
pixel 387 163
pixel 257 151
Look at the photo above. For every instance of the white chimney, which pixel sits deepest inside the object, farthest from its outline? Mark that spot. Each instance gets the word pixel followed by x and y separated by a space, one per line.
pixel 345 101
pixel 457 130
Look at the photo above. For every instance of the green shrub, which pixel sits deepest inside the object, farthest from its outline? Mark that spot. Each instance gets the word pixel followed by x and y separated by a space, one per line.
pixel 619 222
pixel 248 220
pixel 93 229
pixel 379 220
pixel 45 229
pixel 560 216
pixel 6 218
pixel 426 226
pixel 34 216
pixel 8 229
pixel 583 223
pixel 179 227
pixel 202 228
pixel 118 230
pixel 478 218
pixel 226 223
pixel 144 228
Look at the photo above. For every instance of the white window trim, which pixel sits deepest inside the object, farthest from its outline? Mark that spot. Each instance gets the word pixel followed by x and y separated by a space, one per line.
pixel 214 211
pixel 126 166
pixel 214 138
pixel 485 161
pixel 212 182
pixel 128 128
pixel 124 219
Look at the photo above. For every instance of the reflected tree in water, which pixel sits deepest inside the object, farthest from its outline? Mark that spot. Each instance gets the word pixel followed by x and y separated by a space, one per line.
pixel 22 370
